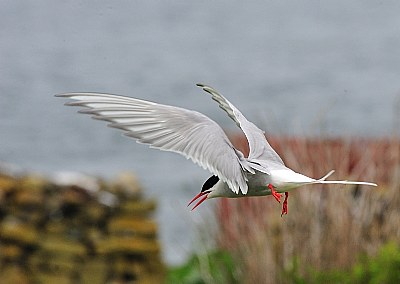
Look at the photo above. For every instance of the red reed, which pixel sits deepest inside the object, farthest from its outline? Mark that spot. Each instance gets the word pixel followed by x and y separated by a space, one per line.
pixel 327 226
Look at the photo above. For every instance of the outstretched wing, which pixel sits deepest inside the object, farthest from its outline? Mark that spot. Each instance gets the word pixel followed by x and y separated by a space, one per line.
pixel 169 128
pixel 262 156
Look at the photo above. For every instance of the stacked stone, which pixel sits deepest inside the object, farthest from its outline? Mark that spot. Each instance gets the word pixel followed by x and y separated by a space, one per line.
pixel 53 233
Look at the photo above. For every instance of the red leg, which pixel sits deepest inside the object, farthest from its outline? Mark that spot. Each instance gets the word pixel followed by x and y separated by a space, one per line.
pixel 274 193
pixel 285 206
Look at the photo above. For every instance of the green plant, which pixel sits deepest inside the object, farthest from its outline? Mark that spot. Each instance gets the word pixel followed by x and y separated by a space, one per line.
pixel 213 267
pixel 384 268
pixel 380 269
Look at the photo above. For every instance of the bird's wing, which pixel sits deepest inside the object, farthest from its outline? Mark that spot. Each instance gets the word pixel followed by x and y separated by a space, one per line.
pixel 261 153
pixel 169 128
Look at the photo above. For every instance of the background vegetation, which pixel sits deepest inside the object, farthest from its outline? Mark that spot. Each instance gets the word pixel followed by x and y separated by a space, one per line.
pixel 332 234
pixel 335 233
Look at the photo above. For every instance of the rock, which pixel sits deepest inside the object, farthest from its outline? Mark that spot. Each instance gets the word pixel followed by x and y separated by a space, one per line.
pixel 132 226
pixel 14 231
pixel 11 274
pixel 126 184
pixel 80 231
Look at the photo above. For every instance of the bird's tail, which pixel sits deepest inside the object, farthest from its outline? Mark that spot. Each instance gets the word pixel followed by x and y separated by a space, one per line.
pixel 345 182
pixel 327 175
pixel 324 181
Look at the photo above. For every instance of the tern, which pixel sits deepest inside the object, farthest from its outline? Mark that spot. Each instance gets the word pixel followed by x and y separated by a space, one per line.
pixel 200 139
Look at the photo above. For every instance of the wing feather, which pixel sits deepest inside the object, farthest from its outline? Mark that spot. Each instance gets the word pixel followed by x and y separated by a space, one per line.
pixel 169 128
pixel 262 156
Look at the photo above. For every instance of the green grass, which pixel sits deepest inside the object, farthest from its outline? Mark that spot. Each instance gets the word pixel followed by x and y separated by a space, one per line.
pixel 380 269
pixel 214 267
pixel 220 267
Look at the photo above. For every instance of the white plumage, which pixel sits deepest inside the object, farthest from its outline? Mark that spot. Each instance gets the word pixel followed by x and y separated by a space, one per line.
pixel 202 140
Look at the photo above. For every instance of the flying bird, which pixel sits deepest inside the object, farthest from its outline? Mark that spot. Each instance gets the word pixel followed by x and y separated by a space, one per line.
pixel 197 137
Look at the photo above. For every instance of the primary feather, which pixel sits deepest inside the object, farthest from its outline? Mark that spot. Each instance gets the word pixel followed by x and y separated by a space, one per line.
pixel 262 156
pixel 169 128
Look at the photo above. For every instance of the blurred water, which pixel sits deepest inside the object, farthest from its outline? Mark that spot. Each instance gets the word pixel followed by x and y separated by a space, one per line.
pixel 294 67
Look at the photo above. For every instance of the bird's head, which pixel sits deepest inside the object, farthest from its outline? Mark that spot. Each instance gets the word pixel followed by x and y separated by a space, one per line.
pixel 206 189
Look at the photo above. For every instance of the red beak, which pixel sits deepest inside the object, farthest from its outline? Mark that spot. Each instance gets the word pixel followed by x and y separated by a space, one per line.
pixel 203 194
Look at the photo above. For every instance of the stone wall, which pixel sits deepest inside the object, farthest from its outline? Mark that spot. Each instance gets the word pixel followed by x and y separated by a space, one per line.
pixel 79 231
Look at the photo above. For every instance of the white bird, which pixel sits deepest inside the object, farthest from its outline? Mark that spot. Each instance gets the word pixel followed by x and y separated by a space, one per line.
pixel 202 140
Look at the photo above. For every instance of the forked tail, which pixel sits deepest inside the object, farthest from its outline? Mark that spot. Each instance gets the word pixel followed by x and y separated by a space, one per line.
pixel 327 175
pixel 324 181
pixel 345 182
